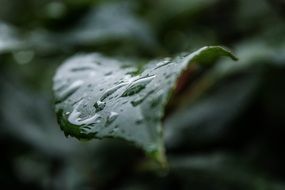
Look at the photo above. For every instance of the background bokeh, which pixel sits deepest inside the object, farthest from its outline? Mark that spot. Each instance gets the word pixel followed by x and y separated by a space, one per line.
pixel 227 131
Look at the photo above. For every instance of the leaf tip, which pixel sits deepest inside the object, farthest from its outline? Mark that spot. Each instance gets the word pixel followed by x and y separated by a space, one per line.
pixel 159 156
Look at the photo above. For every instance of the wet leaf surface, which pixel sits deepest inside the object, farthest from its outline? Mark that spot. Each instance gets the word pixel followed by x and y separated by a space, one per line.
pixel 99 97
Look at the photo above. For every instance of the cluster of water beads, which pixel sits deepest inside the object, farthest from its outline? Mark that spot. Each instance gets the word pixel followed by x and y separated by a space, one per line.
pixel 133 86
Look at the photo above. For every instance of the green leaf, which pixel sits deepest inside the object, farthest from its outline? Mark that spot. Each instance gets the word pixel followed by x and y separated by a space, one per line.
pixel 99 97
pixel 99 27
pixel 9 39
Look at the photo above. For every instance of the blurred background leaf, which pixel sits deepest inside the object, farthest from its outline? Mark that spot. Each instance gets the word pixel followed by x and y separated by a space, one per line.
pixel 226 133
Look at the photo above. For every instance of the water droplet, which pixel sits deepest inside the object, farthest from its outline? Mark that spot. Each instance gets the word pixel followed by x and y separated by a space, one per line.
pixel 59 84
pixel 112 117
pixel 115 129
pixel 112 90
pixel 137 85
pixel 83 68
pixel 99 105
pixel 108 73
pixel 74 117
pixel 139 100
pixel 124 102
pixel 168 75
pixel 76 101
pixel 69 90
pixel 119 82
pixel 166 61
pixel 155 102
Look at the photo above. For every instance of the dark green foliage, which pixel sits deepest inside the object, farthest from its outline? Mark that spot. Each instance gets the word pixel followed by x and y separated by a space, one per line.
pixel 223 124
